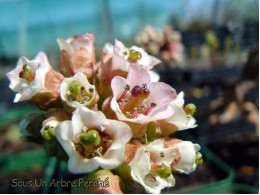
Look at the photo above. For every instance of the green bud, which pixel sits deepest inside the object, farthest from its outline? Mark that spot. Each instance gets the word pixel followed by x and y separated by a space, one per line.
pixel 164 171
pixel 75 88
pixel 198 155
pixel 199 161
pixel 46 135
pixel 51 131
pixel 90 137
pixel 191 108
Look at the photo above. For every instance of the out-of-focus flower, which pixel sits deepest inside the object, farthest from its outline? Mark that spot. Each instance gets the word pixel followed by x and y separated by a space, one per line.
pixel 92 141
pixel 35 80
pixel 78 55
pixel 165 43
pixel 181 119
pixel 138 100
pixel 150 166
pixel 187 157
pixel 76 91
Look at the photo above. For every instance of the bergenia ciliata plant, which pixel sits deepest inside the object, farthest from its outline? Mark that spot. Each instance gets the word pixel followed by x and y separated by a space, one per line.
pixel 109 118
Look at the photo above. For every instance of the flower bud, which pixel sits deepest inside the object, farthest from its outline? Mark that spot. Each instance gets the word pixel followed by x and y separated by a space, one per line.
pixel 190 109
pixel 199 159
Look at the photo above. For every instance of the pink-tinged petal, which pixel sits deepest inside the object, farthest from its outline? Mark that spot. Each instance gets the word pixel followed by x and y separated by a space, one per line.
pixel 117 85
pixel 78 55
pixel 137 75
pixel 108 48
pixel 160 93
pixel 118 61
pixel 162 112
pixel 64 45
pixel 147 61
pixel 86 41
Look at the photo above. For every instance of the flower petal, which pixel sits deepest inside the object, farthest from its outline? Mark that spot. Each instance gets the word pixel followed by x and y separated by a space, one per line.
pixel 187 150
pixel 137 75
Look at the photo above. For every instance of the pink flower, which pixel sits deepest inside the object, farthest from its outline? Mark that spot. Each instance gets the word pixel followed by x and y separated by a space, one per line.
pixel 78 55
pixel 138 100
pixel 116 59
pixel 35 80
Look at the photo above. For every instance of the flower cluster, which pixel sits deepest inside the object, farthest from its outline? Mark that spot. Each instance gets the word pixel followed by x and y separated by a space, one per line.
pixel 165 43
pixel 113 114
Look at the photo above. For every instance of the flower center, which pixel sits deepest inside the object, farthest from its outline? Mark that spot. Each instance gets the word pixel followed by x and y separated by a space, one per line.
pixel 27 73
pixel 76 92
pixel 134 56
pixel 93 143
pixel 132 102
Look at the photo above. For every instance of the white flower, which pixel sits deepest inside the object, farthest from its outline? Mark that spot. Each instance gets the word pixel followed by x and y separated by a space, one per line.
pixel 148 159
pixel 28 78
pixel 179 120
pixel 92 141
pixel 77 91
pixel 185 161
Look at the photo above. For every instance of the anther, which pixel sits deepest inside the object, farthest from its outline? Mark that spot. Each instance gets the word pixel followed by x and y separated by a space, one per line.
pixel 123 95
pixel 161 154
pixel 91 90
pixel 153 105
pixel 144 85
pixel 127 114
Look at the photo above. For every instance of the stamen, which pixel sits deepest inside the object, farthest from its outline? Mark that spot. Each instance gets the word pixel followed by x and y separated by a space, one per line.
pixel 123 103
pixel 149 109
pixel 126 89
pixel 143 107
pixel 137 109
pixel 127 114
pixel 83 90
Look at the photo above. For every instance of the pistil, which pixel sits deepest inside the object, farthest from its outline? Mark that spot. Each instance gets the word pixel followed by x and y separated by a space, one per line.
pixel 93 143
pixel 27 73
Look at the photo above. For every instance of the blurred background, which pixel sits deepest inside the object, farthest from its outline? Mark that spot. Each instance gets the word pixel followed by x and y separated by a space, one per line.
pixel 209 49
